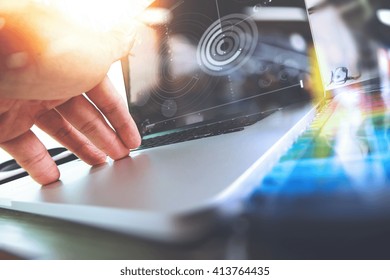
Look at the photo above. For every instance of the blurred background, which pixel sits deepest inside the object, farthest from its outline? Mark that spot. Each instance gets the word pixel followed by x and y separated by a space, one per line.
pixel 351 38
pixel 328 197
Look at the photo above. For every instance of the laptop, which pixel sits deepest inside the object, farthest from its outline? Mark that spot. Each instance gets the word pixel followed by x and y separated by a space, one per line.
pixel 219 90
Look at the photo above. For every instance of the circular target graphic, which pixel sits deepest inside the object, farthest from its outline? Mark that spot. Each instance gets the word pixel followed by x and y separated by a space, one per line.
pixel 227 44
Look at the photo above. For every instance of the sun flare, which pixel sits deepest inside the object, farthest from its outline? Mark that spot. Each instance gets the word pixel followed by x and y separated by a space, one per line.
pixel 101 15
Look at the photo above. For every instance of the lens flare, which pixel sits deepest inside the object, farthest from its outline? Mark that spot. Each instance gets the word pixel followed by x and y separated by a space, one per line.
pixel 101 15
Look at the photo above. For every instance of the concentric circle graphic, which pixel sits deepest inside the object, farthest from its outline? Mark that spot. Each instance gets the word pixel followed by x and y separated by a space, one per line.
pixel 185 87
pixel 227 44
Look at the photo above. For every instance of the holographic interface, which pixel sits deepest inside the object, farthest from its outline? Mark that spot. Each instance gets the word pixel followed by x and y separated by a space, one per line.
pixel 200 61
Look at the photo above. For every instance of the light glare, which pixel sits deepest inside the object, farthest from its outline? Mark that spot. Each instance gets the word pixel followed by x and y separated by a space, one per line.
pixel 101 15
pixel 384 16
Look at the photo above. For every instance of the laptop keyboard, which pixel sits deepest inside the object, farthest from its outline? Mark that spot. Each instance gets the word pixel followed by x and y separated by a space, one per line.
pixel 214 129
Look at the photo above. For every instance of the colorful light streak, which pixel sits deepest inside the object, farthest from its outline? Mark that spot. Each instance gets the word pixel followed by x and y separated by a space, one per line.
pixel 347 148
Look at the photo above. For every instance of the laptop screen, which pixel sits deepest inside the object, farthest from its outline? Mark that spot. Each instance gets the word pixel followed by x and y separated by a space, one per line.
pixel 202 61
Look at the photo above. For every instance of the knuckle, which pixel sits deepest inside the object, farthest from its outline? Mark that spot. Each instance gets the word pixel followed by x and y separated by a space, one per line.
pixel 110 109
pixel 64 132
pixel 90 127
pixel 85 146
pixel 34 160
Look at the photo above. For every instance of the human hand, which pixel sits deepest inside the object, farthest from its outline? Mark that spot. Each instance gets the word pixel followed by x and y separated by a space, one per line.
pixel 74 122
pixel 46 64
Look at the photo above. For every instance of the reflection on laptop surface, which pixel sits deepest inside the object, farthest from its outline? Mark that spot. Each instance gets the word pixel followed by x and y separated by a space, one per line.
pixel 239 71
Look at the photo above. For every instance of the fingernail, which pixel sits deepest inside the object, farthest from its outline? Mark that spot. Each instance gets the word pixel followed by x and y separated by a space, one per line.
pixel 17 60
pixel 2 22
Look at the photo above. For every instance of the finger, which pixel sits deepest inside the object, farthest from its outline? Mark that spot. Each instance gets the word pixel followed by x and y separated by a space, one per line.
pixel 32 155
pixel 79 112
pixel 108 100
pixel 61 130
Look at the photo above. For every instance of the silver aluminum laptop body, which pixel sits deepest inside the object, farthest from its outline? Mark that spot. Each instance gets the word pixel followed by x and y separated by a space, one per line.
pixel 257 66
